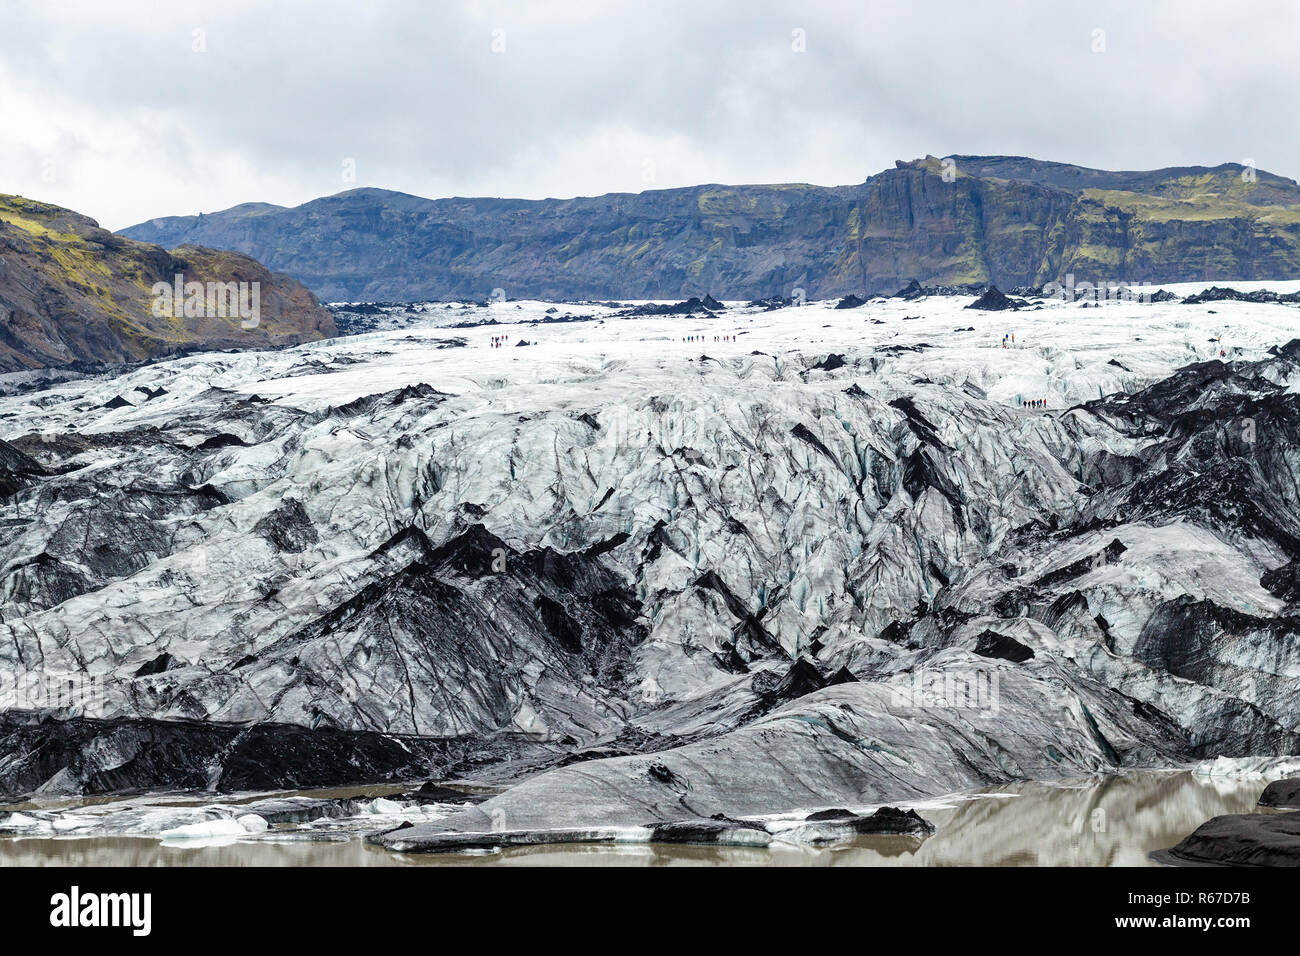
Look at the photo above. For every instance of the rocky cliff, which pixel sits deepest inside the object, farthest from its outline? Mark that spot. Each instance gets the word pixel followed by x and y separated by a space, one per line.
pixel 73 292
pixel 1006 220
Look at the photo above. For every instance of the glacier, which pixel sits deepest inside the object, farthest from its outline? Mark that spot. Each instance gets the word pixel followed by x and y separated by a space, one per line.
pixel 640 569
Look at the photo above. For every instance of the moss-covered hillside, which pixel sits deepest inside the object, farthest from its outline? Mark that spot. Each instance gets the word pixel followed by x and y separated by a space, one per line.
pixel 73 292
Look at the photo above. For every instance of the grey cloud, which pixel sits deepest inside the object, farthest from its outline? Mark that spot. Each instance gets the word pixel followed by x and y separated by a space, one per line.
pixel 140 125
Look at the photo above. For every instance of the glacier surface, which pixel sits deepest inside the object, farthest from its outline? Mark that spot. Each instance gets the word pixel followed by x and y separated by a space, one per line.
pixel 660 568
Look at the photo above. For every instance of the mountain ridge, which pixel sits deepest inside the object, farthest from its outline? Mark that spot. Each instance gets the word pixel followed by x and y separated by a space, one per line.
pixel 1005 220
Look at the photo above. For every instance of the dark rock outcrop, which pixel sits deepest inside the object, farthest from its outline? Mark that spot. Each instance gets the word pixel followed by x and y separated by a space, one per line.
pixel 288 527
pixel 994 301
pixel 992 644
pixel 1282 794
pixel 17 470
pixel 430 792
pixel 1217 294
pixel 688 307
pixel 1246 839
pixel 910 291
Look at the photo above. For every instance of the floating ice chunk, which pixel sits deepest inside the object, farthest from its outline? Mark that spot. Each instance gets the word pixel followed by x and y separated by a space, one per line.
pixel 205 830
pixel 65 823
pixel 21 821
pixel 1272 768
pixel 252 823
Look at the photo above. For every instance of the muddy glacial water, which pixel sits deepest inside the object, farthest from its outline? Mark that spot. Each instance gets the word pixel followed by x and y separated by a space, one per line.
pixel 1110 821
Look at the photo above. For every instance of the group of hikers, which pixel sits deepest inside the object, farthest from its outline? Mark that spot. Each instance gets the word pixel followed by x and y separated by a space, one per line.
pixel 1008 340
pixel 500 340
pixel 1032 402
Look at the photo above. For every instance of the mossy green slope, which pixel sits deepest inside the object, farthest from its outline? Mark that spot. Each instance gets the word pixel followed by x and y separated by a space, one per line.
pixel 73 292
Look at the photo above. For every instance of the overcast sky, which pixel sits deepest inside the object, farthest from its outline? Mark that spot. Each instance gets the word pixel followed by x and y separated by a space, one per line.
pixel 130 110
